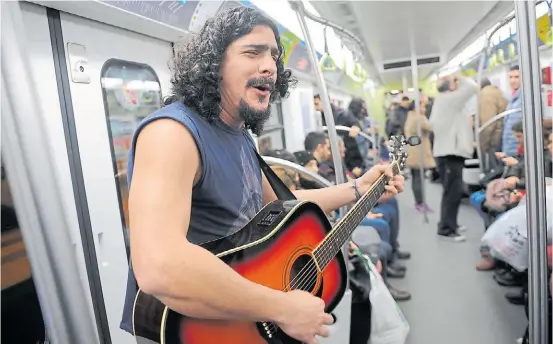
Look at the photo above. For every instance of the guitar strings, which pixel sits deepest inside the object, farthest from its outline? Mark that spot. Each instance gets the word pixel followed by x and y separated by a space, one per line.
pixel 311 267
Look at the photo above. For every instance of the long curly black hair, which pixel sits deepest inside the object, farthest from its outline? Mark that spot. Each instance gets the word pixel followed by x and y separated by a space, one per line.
pixel 196 70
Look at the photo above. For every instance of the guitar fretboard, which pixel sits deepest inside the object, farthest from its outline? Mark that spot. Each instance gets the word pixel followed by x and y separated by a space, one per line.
pixel 341 233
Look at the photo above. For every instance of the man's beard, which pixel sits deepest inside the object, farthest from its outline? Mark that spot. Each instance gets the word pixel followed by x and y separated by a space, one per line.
pixel 253 119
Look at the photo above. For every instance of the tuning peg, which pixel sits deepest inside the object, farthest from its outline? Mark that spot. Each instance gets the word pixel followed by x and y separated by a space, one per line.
pixel 414 141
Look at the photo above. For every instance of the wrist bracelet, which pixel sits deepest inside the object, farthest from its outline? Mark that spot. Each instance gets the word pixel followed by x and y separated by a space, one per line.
pixel 356 189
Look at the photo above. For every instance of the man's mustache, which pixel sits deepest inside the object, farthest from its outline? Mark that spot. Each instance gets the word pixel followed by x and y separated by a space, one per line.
pixel 261 82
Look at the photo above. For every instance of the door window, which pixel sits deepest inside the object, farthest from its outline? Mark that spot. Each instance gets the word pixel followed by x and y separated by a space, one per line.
pixel 131 92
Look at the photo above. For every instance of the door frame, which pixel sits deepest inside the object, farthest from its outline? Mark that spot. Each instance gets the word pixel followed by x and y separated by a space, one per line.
pixel 77 178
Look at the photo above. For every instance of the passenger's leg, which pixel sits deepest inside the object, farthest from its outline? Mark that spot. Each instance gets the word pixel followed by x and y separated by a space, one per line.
pixel 417 188
pixel 458 187
pixel 360 324
pixel 393 210
pixel 380 225
pixel 476 199
pixel 451 170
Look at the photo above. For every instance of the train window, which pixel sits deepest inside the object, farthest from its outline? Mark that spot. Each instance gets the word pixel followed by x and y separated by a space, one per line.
pixel 20 303
pixel 131 92
pixel 273 132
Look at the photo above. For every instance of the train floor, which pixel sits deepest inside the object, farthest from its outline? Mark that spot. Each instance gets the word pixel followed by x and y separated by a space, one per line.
pixel 451 301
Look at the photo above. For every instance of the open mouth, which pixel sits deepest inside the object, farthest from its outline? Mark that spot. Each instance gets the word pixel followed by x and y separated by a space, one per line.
pixel 264 88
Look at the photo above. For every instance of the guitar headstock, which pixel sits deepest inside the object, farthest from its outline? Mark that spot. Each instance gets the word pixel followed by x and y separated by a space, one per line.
pixel 398 152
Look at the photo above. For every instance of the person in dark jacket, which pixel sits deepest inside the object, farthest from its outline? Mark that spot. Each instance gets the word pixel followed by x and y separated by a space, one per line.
pixel 354 161
pixel 398 116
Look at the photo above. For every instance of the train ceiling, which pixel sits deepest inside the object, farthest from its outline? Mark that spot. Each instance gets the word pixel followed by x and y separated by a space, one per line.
pixel 438 30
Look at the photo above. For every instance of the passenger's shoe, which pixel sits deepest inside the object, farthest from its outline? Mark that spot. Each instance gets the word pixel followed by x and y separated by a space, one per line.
pixel 486 264
pixel 509 279
pixel 419 208
pixel 402 254
pixel 461 229
pixel 500 271
pixel 427 208
pixel 516 297
pixel 393 273
pixel 450 235
pixel 397 266
pixel 399 295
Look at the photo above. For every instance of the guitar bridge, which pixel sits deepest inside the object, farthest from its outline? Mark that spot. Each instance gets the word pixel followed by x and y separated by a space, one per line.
pixel 270 218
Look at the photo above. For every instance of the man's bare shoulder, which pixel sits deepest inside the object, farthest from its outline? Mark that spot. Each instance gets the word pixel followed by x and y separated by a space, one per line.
pixel 169 142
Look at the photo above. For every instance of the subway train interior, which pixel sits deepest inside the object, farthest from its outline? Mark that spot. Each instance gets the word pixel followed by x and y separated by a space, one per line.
pixel 462 255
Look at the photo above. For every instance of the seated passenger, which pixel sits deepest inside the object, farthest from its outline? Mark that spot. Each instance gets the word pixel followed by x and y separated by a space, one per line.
pixel 353 159
pixel 306 159
pixel 514 181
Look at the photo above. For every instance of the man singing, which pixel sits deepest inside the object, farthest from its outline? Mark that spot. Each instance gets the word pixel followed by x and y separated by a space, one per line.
pixel 194 177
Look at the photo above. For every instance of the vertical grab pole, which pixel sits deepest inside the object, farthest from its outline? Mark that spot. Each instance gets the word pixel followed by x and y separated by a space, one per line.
pixel 329 116
pixel 483 57
pixel 415 76
pixel 535 181
pixel 35 187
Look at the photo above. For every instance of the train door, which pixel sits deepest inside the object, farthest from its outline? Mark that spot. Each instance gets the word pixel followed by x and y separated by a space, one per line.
pixel 114 78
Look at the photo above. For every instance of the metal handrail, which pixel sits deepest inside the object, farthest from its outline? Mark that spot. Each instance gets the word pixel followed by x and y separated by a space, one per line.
pixel 344 128
pixel 297 168
pixel 495 119
pixel 295 6
pixel 483 56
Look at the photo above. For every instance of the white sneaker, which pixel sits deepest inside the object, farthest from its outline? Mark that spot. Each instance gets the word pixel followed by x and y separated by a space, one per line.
pixel 519 341
pixel 455 237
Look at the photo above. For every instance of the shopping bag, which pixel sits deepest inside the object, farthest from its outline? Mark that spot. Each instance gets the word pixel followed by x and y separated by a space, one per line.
pixel 507 238
pixel 388 325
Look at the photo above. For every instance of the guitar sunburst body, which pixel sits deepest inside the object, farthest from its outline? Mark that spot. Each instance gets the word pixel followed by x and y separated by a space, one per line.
pixel 274 249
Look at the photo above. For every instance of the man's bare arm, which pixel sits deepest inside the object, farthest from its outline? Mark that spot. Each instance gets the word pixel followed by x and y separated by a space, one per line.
pixel 186 277
pixel 330 198
pixel 336 196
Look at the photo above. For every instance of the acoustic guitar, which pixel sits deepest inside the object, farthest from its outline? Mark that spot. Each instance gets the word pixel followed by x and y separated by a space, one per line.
pixel 287 245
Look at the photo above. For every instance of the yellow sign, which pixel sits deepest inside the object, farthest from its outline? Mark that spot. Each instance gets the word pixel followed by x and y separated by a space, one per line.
pixel 544 29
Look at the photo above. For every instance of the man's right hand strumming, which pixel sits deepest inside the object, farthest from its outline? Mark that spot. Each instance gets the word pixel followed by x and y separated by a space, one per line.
pixel 304 317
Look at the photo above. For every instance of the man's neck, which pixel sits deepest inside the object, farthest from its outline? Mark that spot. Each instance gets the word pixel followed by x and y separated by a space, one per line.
pixel 318 157
pixel 233 121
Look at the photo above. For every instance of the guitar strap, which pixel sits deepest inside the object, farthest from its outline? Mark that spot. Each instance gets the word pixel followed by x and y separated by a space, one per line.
pixel 282 192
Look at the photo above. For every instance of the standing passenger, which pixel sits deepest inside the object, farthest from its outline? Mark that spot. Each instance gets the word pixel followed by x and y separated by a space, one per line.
pixel 492 103
pixel 453 138
pixel 414 159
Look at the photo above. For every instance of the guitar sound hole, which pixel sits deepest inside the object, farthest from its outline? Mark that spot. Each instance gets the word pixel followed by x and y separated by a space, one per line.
pixel 303 274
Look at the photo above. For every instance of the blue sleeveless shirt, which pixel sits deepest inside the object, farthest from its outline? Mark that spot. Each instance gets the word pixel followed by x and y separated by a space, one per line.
pixel 229 191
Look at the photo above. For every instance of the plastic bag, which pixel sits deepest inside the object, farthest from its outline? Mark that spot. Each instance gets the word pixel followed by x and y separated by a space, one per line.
pixel 388 325
pixel 507 238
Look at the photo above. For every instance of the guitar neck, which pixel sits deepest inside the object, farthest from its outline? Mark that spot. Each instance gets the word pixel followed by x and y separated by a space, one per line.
pixel 340 234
